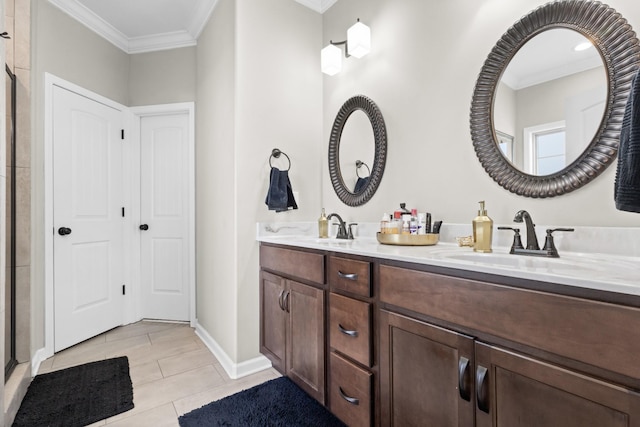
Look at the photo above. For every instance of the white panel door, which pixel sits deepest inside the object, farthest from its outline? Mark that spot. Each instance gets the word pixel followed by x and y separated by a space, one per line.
pixel 87 218
pixel 164 216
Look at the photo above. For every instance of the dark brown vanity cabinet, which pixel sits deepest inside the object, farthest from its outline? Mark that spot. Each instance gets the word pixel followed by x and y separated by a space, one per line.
pixel 450 376
pixel 350 330
pixel 293 316
pixel 414 347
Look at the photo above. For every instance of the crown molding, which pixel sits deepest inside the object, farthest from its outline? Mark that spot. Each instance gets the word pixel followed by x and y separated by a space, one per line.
pixel 158 42
pixel 92 21
pixel 320 6
pixel 155 42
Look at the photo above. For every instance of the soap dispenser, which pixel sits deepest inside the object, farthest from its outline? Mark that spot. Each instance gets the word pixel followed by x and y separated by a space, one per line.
pixel 482 231
pixel 323 226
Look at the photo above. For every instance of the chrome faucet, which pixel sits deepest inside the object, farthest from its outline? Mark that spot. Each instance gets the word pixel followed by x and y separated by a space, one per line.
pixel 532 240
pixel 342 227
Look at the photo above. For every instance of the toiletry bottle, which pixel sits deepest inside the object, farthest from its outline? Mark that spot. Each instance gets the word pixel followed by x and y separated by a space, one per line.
pixel 482 231
pixel 384 224
pixel 421 223
pixel 323 226
pixel 396 224
pixel 406 219
pixel 413 224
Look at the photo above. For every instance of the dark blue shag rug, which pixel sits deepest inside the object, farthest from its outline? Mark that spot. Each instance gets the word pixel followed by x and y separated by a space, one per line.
pixel 276 403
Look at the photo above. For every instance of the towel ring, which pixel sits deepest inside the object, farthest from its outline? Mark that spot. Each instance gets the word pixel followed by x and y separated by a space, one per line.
pixel 359 164
pixel 276 153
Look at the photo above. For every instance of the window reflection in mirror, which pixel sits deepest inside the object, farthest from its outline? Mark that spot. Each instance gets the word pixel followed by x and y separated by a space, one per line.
pixel 546 83
pixel 356 143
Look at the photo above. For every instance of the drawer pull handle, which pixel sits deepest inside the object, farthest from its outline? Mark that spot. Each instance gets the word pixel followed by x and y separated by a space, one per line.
pixel 464 379
pixel 482 389
pixel 353 334
pixel 348 276
pixel 351 400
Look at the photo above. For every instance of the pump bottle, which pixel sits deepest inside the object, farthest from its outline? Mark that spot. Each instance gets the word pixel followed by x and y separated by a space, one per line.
pixel 323 226
pixel 482 231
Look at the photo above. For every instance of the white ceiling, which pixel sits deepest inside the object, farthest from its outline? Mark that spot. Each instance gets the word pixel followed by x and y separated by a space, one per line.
pixel 137 26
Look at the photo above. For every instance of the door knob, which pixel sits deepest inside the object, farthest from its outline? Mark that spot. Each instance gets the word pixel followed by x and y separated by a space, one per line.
pixel 144 227
pixel 63 231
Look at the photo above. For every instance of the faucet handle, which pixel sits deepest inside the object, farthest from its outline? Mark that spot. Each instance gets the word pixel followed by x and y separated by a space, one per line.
pixel 551 230
pixel 549 245
pixel 517 240
pixel 350 233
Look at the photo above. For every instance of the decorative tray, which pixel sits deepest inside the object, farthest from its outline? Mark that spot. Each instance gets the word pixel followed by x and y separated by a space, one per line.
pixel 408 239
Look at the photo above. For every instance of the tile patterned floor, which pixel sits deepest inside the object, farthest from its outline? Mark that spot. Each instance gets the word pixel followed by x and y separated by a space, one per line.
pixel 172 371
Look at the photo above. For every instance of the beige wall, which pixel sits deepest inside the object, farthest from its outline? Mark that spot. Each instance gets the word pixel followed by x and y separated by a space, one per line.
pixel 215 178
pixel 425 59
pixel 162 77
pixel 258 88
pixel 279 94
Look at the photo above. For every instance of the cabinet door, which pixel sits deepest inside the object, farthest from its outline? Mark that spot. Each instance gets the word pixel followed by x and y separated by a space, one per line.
pixel 273 319
pixel 516 391
pixel 305 338
pixel 425 374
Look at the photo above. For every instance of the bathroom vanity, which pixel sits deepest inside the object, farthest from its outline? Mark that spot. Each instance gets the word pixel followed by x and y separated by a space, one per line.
pixel 401 336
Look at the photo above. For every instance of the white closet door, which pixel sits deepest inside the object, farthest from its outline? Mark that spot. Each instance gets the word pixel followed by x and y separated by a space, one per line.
pixel 88 223
pixel 164 217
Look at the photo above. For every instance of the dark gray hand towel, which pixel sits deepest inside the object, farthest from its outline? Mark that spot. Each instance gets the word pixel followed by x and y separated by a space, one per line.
pixel 627 185
pixel 360 184
pixel 280 194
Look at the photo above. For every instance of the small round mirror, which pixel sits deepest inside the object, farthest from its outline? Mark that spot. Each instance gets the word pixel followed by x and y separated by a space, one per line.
pixel 357 150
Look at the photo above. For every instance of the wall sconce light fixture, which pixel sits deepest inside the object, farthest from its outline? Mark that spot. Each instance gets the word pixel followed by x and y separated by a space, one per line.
pixel 357 44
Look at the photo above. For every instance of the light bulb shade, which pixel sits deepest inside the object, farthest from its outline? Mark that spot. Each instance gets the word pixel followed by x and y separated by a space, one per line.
pixel 358 40
pixel 331 60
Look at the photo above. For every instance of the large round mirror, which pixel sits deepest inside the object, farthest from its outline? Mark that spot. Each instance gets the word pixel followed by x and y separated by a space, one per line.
pixel 547 107
pixel 357 150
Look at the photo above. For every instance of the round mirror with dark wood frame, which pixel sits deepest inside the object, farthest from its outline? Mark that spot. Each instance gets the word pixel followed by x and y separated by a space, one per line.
pixel 620 51
pixel 366 191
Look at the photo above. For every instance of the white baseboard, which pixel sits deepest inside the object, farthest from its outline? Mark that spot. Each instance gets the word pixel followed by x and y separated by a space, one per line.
pixel 234 370
pixel 39 357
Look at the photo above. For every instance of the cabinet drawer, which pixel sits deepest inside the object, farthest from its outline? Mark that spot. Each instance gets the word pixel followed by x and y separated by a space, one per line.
pixel 350 327
pixel 350 394
pixel 298 264
pixel 350 275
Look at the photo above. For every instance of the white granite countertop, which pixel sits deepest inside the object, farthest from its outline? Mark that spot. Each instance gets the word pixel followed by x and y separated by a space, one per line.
pixel 612 272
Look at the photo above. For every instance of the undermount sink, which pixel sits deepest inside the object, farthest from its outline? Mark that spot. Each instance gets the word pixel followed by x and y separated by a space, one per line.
pixel 519 261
